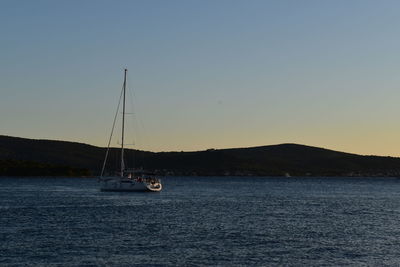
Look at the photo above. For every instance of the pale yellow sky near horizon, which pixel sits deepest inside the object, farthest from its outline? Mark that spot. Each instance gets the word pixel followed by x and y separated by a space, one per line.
pixel 355 144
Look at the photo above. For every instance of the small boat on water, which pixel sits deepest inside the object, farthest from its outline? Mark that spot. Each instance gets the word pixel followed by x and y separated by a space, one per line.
pixel 127 180
pixel 131 182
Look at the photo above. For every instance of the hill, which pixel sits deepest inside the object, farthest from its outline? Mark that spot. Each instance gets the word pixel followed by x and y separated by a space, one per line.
pixel 21 156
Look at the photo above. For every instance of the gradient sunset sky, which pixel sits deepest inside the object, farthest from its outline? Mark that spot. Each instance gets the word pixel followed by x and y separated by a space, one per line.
pixel 205 74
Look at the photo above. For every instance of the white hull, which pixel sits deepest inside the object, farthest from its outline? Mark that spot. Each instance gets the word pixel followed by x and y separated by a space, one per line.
pixel 128 185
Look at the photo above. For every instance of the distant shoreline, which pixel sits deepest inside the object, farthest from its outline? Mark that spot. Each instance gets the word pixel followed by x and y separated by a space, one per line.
pixel 29 157
pixel 211 176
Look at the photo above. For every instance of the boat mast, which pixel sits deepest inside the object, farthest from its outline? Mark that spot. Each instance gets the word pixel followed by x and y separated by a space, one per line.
pixel 123 127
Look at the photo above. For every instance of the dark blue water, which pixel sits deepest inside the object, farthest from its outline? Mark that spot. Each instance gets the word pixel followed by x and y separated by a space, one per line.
pixel 201 221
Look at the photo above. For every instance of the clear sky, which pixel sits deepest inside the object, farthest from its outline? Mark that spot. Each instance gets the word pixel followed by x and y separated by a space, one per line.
pixel 205 74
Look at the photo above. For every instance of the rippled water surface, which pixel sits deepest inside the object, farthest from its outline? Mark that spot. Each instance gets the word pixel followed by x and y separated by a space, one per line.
pixel 201 221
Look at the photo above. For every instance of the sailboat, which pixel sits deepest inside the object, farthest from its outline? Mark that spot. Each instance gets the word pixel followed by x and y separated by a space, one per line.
pixel 127 180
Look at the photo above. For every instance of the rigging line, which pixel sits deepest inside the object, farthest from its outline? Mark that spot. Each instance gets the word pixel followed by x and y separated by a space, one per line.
pixel 136 121
pixel 112 131
pixel 132 109
pixel 123 127
pixel 131 94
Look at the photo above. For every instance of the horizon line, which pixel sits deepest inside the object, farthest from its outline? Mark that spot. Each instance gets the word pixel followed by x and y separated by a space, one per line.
pixel 188 151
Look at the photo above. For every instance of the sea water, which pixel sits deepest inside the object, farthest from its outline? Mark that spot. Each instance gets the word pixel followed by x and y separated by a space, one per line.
pixel 194 221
